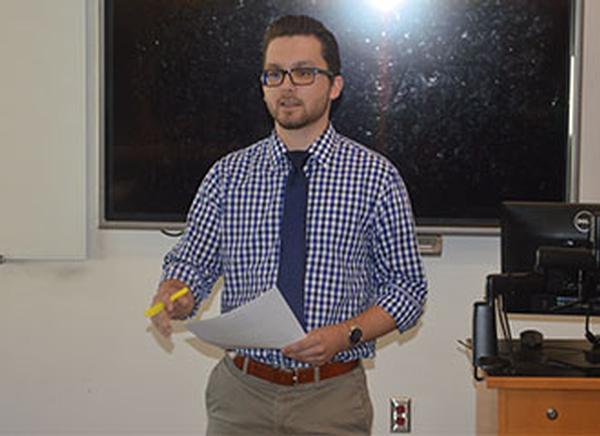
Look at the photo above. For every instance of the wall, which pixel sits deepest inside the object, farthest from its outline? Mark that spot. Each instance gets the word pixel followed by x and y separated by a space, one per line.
pixel 590 131
pixel 78 356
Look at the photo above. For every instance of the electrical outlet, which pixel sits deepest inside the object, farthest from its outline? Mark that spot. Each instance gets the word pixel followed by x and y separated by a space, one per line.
pixel 400 415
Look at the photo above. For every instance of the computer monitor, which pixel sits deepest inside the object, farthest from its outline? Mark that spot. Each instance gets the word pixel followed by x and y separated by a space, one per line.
pixel 527 227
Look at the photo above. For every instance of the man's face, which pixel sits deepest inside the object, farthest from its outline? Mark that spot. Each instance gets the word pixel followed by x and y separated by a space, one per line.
pixel 295 107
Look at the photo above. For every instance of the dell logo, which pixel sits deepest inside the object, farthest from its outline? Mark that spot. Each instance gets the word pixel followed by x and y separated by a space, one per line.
pixel 582 221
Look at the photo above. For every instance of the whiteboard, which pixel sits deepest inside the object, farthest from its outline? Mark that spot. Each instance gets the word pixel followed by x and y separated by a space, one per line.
pixel 42 129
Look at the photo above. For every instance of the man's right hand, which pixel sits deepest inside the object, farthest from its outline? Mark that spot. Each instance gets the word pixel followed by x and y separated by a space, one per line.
pixel 178 309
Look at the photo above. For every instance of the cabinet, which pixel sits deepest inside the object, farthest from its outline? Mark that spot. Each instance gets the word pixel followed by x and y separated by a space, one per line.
pixel 547 405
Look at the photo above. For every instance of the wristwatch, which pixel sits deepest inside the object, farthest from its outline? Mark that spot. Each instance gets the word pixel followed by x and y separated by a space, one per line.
pixel 355 335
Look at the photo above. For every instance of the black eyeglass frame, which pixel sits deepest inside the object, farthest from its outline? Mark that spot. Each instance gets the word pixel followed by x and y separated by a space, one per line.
pixel 284 72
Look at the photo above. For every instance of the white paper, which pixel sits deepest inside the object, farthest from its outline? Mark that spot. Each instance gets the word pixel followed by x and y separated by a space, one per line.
pixel 266 322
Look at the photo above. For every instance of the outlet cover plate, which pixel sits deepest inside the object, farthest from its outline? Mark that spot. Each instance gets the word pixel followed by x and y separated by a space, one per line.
pixel 400 408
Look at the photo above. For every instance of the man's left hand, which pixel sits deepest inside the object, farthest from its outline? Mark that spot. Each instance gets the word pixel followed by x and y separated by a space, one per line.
pixel 319 345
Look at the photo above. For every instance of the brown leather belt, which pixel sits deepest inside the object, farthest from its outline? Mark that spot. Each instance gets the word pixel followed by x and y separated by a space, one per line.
pixel 293 376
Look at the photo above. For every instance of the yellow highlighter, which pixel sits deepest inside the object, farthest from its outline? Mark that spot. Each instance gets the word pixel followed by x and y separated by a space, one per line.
pixel 158 307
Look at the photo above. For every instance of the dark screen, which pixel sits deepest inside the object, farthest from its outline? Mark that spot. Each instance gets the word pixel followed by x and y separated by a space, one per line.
pixel 469 99
pixel 528 227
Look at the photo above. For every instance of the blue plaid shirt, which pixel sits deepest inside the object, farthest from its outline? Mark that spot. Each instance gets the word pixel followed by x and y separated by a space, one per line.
pixel 361 246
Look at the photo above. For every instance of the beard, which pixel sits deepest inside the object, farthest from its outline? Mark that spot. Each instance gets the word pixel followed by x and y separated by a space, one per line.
pixel 292 113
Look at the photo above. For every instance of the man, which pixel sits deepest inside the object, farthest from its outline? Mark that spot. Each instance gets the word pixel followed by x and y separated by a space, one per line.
pixel 326 220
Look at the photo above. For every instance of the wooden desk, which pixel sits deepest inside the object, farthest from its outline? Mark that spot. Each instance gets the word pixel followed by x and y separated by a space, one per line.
pixel 547 405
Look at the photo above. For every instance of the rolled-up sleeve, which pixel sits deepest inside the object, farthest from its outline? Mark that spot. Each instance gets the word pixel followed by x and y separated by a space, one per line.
pixel 401 286
pixel 195 259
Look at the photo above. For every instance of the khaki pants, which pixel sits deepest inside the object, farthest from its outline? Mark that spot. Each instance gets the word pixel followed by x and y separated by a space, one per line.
pixel 238 403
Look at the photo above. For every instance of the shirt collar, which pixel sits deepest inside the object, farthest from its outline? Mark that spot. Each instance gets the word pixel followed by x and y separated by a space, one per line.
pixel 321 150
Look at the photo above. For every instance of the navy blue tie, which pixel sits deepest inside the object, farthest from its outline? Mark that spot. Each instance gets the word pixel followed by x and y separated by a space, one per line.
pixel 292 255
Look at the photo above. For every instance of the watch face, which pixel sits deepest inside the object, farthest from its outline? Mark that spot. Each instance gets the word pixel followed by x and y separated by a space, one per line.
pixel 355 335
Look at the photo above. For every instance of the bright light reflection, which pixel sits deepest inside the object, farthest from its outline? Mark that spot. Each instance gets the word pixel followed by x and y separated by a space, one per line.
pixel 386 5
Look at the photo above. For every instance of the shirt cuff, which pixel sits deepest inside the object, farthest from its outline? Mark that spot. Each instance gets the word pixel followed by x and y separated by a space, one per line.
pixel 188 275
pixel 404 308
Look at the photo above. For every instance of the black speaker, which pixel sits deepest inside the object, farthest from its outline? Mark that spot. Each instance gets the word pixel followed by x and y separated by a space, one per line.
pixel 485 342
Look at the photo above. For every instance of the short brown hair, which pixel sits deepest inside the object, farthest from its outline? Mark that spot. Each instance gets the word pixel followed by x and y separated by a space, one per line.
pixel 292 25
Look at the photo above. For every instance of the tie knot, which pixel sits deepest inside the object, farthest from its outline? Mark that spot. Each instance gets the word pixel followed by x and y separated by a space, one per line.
pixel 298 158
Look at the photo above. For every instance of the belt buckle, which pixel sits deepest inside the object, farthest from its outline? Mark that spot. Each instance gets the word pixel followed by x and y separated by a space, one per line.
pixel 295 373
pixel 295 376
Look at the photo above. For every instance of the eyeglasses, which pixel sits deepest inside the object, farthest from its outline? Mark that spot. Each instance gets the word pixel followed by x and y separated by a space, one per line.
pixel 301 76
